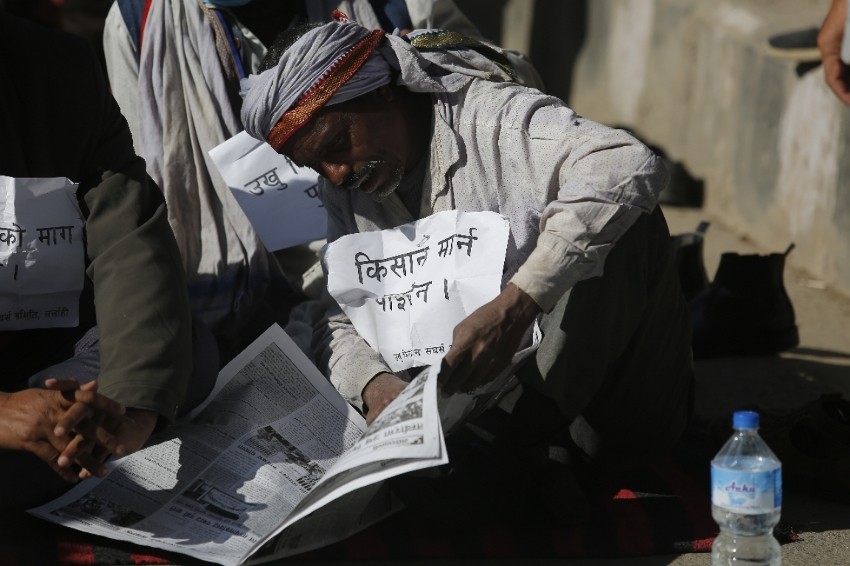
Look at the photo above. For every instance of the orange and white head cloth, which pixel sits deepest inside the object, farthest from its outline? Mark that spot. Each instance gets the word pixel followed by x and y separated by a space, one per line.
pixel 329 64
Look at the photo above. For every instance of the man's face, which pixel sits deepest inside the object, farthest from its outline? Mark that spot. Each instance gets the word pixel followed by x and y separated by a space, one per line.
pixel 364 144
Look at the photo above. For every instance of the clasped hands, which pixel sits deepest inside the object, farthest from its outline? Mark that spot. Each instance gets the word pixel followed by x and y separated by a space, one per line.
pixel 483 345
pixel 71 427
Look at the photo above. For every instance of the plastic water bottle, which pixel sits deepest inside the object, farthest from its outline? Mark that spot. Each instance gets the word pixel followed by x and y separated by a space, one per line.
pixel 746 497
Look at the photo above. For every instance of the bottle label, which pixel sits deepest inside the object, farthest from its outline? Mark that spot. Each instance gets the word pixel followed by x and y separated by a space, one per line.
pixel 746 492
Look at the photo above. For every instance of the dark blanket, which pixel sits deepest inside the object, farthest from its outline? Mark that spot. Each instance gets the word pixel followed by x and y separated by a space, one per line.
pixel 659 510
pixel 662 509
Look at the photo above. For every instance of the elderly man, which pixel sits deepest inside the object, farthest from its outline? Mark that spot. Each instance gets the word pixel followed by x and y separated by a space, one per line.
pixel 403 127
pixel 174 68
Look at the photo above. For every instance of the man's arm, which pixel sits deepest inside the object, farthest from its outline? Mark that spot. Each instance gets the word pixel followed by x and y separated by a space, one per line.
pixel 606 179
pixel 345 357
pixel 340 352
pixel 836 72
pixel 596 180
pixel 140 292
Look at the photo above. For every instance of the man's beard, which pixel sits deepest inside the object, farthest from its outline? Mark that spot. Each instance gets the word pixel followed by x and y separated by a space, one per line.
pixel 355 180
pixel 381 193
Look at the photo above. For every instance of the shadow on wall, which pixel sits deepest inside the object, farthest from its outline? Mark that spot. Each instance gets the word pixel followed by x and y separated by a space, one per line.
pixel 556 38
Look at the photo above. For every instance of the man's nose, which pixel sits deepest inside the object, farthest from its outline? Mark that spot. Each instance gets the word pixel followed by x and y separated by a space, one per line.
pixel 336 173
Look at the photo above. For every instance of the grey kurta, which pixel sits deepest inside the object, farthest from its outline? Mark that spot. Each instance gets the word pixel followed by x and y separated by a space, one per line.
pixel 569 188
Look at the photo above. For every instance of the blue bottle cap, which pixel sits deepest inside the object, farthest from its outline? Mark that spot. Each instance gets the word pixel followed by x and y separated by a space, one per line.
pixel 745 420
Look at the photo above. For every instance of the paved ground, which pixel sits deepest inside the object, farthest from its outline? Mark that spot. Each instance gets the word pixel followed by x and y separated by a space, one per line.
pixel 820 364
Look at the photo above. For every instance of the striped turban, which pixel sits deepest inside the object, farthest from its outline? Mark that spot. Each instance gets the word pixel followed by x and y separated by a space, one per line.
pixel 330 64
pixel 342 60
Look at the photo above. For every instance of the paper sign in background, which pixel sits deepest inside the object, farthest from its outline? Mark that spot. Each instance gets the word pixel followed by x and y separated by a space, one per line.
pixel 42 256
pixel 280 200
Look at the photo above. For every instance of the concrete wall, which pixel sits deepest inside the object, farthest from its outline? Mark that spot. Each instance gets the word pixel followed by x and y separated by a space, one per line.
pixel 771 142
pixel 550 32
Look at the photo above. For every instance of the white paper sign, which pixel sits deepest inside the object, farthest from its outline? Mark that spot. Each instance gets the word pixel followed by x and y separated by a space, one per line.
pixel 280 200
pixel 406 288
pixel 42 256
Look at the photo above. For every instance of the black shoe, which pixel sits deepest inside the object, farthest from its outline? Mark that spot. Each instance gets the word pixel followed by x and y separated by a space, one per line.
pixel 800 45
pixel 745 310
pixel 687 257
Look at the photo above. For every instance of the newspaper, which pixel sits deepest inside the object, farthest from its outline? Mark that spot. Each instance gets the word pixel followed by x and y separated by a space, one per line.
pixel 280 199
pixel 275 462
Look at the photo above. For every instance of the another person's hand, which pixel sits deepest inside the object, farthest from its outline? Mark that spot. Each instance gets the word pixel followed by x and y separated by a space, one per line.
pixel 29 420
pixel 484 343
pixel 836 72
pixel 380 392
pixel 120 435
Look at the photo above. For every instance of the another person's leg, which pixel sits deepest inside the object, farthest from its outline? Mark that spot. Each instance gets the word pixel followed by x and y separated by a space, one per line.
pixel 83 366
pixel 616 356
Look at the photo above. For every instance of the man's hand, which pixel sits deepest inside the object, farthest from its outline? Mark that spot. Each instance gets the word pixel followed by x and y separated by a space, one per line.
pixel 125 434
pixel 380 392
pixel 836 72
pixel 28 419
pixel 484 343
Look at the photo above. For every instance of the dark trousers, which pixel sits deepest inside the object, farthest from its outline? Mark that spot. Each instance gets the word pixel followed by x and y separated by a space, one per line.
pixel 616 353
pixel 25 480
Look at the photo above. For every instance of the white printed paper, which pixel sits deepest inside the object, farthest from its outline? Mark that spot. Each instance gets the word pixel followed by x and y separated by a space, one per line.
pixel 42 256
pixel 405 289
pixel 274 444
pixel 280 200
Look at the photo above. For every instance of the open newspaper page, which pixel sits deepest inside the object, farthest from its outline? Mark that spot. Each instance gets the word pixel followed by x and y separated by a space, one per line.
pixel 407 436
pixel 403 431
pixel 218 486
